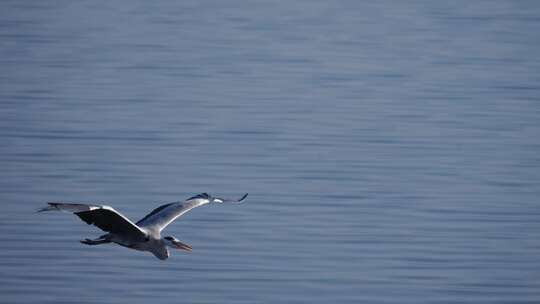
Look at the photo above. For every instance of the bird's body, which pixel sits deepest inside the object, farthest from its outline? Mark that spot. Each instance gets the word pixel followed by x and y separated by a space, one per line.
pixel 145 235
pixel 154 244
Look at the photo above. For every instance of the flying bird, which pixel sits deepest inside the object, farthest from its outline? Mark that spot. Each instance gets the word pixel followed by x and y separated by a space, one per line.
pixel 145 235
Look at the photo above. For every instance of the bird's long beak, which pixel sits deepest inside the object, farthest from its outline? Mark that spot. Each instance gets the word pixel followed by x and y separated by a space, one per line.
pixel 180 245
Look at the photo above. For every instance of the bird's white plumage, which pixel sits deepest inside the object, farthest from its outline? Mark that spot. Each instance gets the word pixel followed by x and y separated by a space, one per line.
pixel 167 215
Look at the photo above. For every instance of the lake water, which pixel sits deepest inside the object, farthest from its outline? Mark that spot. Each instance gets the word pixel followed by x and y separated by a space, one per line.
pixel 391 150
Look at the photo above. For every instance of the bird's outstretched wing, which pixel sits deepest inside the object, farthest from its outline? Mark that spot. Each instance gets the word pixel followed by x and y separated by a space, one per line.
pixel 103 217
pixel 163 215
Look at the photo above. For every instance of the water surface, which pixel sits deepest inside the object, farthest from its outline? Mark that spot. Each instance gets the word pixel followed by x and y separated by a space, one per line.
pixel 390 149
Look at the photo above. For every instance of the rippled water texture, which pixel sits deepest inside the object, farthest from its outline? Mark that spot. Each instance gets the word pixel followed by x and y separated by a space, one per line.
pixel 391 150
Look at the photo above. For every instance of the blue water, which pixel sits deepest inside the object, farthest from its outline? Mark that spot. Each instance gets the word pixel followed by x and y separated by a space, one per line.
pixel 391 149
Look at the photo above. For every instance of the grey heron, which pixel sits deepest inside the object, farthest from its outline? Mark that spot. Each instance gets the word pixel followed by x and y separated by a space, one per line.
pixel 145 235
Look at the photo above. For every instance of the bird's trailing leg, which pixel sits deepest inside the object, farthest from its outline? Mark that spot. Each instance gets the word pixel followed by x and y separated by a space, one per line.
pixel 97 241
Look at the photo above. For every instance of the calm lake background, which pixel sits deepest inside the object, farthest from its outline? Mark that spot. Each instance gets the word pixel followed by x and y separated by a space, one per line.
pixel 391 149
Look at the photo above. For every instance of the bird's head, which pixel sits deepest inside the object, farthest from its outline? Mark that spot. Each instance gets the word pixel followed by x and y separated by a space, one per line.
pixel 173 242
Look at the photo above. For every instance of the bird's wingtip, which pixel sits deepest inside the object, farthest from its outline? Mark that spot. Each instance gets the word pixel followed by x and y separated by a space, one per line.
pixel 243 197
pixel 46 208
pixel 51 206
